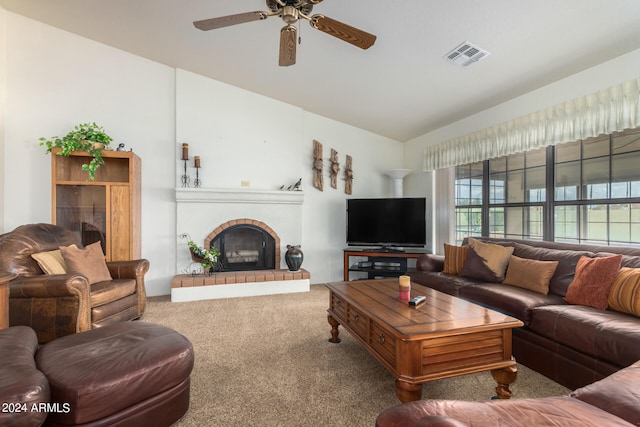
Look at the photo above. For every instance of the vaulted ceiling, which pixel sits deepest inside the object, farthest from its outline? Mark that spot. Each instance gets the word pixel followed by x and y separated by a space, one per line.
pixel 402 86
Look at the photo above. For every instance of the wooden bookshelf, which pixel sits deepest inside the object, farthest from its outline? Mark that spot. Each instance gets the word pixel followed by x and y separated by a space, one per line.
pixel 107 209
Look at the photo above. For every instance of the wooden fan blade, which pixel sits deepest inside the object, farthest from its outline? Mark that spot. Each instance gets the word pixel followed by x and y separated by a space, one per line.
pixel 288 36
pixel 225 21
pixel 345 32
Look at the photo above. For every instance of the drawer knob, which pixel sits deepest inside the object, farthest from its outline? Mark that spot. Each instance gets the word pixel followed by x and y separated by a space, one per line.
pixel 356 317
pixel 338 303
pixel 381 339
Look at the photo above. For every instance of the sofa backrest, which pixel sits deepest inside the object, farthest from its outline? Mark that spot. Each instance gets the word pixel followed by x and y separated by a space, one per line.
pixel 567 254
pixel 17 246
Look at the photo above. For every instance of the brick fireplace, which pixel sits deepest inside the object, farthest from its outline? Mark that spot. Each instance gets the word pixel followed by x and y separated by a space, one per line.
pixel 245 245
pixel 250 228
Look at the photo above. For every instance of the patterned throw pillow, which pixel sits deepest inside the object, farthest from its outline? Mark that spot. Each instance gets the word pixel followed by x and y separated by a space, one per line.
pixel 593 280
pixel 454 258
pixel 530 274
pixel 51 262
pixel 486 261
pixel 624 295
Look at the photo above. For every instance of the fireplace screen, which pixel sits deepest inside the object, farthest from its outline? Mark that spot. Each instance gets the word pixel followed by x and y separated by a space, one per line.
pixel 245 247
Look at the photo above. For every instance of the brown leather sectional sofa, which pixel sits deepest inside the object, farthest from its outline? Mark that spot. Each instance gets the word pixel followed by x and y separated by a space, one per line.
pixel 613 401
pixel 572 344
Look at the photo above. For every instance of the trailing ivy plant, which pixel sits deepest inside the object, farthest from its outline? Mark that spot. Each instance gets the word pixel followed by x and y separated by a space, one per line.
pixel 83 137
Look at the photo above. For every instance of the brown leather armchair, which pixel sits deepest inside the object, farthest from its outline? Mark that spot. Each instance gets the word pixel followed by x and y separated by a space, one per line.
pixel 63 304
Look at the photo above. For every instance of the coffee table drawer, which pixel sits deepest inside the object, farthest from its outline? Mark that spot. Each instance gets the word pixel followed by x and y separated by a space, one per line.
pixel 358 322
pixel 383 342
pixel 338 306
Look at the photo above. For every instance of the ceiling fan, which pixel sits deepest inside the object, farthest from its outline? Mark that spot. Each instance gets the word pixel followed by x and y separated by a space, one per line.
pixel 291 11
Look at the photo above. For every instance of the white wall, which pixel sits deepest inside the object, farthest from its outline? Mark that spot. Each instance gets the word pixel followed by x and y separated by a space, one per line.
pixel 2 113
pixel 588 81
pixel 324 212
pixel 243 136
pixel 55 79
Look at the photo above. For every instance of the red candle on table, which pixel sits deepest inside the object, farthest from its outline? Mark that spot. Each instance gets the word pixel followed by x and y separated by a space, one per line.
pixel 404 288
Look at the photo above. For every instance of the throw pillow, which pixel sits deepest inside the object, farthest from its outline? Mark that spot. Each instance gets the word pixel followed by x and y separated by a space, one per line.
pixel 624 295
pixel 454 258
pixel 593 280
pixel 486 261
pixel 51 262
pixel 88 262
pixel 530 274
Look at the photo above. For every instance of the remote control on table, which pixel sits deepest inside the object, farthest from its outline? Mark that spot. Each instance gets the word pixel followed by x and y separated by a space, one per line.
pixel 415 301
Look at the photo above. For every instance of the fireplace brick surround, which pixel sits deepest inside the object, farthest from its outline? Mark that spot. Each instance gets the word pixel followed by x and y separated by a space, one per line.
pixel 245 221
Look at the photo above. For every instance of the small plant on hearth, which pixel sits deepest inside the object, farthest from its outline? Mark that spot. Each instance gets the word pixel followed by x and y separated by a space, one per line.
pixel 208 258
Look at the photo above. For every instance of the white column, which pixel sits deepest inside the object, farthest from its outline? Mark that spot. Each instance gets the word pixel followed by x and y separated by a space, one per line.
pixel 397 177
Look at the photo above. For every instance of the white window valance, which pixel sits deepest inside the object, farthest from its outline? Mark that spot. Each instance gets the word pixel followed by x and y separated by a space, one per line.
pixel 606 111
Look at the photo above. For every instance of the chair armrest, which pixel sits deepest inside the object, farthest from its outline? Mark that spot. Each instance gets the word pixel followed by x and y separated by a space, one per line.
pixel 430 262
pixel 48 286
pixel 128 269
pixel 135 269
pixel 52 305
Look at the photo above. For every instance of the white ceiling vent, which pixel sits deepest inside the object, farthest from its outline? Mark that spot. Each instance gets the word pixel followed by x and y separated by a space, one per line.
pixel 466 54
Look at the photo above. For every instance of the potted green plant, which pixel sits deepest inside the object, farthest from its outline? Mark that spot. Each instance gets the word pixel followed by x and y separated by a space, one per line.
pixel 208 258
pixel 87 137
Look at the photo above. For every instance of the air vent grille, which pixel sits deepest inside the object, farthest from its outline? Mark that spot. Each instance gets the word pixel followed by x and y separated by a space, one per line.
pixel 466 54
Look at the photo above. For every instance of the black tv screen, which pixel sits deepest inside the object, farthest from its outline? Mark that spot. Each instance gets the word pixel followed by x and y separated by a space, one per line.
pixel 386 222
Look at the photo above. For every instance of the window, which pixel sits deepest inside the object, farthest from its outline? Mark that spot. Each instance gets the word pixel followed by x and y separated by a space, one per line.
pixel 585 191
pixel 469 200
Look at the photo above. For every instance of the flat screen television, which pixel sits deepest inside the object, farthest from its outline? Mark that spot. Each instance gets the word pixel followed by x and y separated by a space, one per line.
pixel 386 222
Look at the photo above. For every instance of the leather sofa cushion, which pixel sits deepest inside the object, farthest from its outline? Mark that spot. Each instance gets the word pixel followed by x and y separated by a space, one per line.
pixel 20 381
pixel 604 334
pixel 111 290
pixel 618 394
pixel 507 299
pixel 550 411
pixel 106 370
pixel 567 261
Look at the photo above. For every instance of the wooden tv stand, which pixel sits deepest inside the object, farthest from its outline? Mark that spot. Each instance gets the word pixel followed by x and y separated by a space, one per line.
pixel 372 254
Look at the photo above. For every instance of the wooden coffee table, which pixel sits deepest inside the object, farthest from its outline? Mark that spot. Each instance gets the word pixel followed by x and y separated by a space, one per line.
pixel 442 338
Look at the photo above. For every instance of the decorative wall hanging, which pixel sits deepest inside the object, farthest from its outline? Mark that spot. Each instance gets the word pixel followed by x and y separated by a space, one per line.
pixel 348 175
pixel 335 168
pixel 318 179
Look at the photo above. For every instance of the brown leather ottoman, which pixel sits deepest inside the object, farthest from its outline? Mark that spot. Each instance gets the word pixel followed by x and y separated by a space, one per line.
pixel 125 374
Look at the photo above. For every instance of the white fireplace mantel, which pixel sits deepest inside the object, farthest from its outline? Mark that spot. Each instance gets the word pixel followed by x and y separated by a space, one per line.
pixel 227 195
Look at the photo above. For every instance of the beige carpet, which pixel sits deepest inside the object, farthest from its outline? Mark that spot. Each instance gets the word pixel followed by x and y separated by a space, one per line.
pixel 266 361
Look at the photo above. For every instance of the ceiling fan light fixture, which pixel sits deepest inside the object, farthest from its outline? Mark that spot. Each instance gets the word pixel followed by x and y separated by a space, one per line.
pixel 466 54
pixel 290 15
